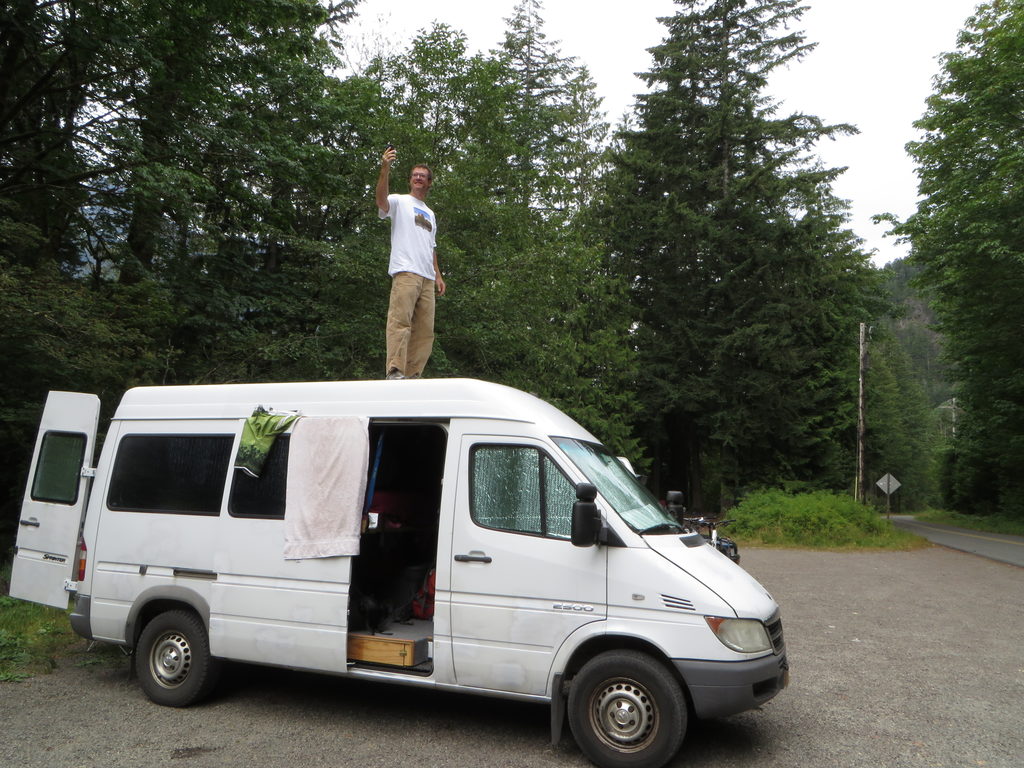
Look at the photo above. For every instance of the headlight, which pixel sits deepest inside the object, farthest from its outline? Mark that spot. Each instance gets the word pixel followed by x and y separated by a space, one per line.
pixel 743 635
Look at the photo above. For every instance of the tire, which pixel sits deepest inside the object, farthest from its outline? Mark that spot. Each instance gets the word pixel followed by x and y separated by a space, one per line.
pixel 626 710
pixel 173 662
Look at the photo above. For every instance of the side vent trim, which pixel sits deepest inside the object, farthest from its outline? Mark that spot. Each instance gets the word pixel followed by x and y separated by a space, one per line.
pixel 677 603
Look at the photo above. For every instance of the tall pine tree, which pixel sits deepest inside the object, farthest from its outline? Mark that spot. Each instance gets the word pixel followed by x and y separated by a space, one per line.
pixel 746 287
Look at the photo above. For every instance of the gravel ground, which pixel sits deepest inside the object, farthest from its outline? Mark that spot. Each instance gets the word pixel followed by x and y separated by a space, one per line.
pixel 898 659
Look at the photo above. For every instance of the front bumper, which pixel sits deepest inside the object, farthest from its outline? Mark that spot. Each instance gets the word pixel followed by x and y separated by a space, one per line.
pixel 720 688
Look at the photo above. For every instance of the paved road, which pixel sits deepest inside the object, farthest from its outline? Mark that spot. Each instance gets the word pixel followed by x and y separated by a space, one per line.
pixel 899 660
pixel 995 546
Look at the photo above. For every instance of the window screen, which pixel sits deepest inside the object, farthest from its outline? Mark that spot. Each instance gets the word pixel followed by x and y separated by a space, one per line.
pixel 59 467
pixel 262 496
pixel 182 474
pixel 517 488
pixel 559 496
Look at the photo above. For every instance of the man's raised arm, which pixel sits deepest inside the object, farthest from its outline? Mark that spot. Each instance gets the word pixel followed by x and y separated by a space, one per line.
pixel 382 181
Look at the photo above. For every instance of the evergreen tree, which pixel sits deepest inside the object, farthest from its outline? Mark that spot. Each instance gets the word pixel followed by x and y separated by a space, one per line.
pixel 747 289
pixel 555 126
pixel 967 237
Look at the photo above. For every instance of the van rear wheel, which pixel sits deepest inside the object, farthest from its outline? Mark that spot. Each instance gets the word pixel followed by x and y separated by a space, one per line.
pixel 172 660
pixel 626 709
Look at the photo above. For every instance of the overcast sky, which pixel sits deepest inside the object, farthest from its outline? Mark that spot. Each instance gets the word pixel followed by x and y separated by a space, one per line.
pixel 873 67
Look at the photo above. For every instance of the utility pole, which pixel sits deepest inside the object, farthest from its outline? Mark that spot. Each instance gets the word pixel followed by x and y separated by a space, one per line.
pixel 860 484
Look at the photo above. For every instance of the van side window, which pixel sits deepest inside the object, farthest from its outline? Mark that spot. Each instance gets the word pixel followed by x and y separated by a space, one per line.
pixel 518 488
pixel 183 474
pixel 59 468
pixel 262 496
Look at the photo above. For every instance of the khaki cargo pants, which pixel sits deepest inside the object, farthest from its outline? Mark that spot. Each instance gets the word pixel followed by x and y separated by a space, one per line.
pixel 410 328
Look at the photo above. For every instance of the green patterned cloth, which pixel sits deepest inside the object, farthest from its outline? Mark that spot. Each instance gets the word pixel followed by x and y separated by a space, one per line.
pixel 258 436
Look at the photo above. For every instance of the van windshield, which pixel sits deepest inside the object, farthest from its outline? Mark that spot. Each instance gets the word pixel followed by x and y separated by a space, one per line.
pixel 629 498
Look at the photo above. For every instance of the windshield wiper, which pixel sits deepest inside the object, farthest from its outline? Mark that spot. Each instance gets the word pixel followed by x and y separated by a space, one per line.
pixel 663 528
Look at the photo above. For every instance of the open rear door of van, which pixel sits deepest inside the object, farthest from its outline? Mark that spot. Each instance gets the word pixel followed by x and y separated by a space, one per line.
pixel 55 498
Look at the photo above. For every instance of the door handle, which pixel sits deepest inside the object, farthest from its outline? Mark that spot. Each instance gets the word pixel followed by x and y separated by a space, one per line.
pixel 32 521
pixel 473 558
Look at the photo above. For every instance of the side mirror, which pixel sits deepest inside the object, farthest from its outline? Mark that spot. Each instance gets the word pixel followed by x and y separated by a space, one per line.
pixel 586 519
pixel 674 502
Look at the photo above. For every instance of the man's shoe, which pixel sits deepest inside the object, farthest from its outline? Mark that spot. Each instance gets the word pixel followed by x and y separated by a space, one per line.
pixel 394 374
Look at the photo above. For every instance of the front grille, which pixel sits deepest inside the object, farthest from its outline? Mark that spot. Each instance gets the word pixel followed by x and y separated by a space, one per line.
pixel 677 603
pixel 775 633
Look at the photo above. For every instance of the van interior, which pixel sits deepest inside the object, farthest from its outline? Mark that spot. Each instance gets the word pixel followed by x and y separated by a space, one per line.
pixel 390 617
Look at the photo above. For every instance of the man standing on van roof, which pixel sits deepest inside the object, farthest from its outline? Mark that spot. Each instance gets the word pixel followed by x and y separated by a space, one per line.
pixel 413 269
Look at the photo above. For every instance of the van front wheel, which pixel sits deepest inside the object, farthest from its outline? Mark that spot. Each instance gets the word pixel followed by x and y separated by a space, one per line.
pixel 626 710
pixel 172 660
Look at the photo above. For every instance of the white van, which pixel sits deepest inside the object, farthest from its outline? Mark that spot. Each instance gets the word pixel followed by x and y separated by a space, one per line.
pixel 554 576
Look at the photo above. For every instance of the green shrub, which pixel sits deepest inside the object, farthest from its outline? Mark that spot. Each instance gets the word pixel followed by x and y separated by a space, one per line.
pixel 818 519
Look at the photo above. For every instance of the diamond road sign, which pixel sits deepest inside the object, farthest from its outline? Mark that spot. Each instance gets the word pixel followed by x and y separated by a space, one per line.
pixel 888 484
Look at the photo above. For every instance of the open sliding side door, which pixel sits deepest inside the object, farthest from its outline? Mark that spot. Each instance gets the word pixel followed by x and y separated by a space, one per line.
pixel 55 498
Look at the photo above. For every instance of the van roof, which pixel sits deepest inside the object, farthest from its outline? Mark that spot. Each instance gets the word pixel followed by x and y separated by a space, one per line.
pixel 439 399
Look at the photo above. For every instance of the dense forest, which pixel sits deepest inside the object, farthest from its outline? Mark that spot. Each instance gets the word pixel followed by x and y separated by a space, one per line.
pixel 186 197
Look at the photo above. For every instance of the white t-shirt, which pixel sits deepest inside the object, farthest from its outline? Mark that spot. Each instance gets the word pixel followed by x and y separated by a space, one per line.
pixel 413 235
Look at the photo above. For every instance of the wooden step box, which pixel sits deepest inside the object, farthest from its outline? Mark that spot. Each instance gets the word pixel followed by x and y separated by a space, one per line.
pixel 381 649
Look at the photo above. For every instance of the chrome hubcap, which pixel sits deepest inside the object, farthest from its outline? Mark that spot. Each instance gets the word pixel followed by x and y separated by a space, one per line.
pixel 624 714
pixel 171 660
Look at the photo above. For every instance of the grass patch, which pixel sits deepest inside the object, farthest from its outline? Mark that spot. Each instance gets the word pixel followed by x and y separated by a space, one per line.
pixel 32 637
pixel 817 520
pixel 988 523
